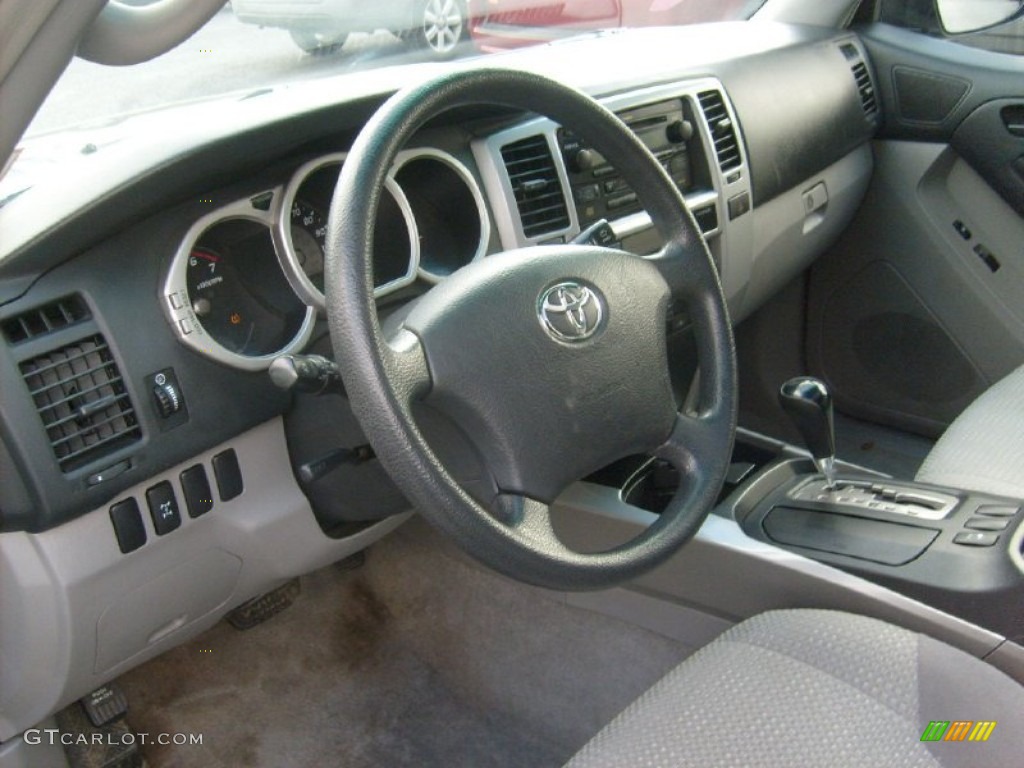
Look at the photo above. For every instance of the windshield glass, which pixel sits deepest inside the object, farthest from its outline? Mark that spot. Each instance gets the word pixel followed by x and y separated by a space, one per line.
pixel 253 44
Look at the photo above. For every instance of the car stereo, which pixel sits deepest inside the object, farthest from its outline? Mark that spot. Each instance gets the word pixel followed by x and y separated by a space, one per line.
pixel 598 191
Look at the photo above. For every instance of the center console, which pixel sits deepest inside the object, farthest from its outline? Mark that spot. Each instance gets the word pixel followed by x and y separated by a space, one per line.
pixel 956 550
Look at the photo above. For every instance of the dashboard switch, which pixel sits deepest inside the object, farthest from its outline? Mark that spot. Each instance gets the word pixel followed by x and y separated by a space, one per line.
pixel 993 510
pixel 128 527
pixel 739 205
pixel 168 399
pixel 228 474
pixel 163 508
pixel 987 524
pixel 976 538
pixel 196 488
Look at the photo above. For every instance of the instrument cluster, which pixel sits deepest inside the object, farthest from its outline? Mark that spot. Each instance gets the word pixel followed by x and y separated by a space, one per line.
pixel 247 281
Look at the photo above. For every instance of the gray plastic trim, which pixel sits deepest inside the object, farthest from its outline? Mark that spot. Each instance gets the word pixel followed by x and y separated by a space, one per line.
pixel 789 237
pixel 57 586
pixel 177 307
pixel 725 573
pixel 46 753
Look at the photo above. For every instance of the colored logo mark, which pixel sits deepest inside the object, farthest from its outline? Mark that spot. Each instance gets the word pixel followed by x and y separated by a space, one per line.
pixel 958 730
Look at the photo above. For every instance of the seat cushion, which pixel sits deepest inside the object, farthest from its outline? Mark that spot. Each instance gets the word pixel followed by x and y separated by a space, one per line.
pixel 983 449
pixel 815 688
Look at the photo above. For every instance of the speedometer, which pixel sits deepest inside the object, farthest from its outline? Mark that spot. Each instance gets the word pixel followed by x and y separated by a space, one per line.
pixel 309 239
pixel 301 232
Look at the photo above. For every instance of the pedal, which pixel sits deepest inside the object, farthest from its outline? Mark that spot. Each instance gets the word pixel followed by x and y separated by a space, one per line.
pixel 105 705
pixel 114 745
pixel 259 609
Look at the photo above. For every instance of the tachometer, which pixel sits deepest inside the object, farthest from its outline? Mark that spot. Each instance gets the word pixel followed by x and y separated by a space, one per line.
pixel 226 295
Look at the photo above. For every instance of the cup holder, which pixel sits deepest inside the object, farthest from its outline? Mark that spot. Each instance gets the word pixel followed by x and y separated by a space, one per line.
pixel 650 483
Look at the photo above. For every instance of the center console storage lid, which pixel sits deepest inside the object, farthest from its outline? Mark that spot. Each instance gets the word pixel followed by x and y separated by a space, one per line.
pixel 880 542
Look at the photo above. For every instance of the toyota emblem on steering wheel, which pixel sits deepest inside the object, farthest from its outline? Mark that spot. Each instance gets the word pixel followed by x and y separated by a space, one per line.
pixel 570 312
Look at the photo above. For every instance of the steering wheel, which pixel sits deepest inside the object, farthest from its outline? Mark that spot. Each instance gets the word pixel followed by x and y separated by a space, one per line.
pixel 550 360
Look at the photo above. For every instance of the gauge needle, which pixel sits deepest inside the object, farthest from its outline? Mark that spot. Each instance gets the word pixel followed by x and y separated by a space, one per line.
pixel 252 329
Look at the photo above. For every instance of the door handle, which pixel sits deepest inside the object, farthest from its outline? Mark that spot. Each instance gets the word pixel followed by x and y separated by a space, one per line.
pixel 1013 119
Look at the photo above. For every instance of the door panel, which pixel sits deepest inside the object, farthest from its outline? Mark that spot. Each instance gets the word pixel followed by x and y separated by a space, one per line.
pixel 920 306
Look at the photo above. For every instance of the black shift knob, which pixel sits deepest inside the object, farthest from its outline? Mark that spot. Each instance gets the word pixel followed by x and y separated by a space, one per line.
pixel 809 404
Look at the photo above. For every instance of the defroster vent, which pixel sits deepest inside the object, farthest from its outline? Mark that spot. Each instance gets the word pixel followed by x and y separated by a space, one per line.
pixel 723 132
pixel 82 401
pixel 539 196
pixel 45 319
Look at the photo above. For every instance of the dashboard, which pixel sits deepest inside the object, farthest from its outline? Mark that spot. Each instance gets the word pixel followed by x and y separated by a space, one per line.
pixel 150 465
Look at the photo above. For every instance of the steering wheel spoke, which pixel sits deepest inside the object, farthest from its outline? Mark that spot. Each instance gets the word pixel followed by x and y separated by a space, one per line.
pixel 407 367
pixel 684 266
pixel 698 447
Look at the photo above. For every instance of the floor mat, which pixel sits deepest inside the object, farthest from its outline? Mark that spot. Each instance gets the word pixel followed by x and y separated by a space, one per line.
pixel 417 659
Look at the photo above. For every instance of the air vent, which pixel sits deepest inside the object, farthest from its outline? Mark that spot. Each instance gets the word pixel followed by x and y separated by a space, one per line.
pixel 849 51
pixel 45 319
pixel 82 401
pixel 865 89
pixel 539 197
pixel 723 133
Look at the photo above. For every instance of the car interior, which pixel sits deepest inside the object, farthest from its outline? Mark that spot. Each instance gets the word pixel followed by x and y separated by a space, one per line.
pixel 651 397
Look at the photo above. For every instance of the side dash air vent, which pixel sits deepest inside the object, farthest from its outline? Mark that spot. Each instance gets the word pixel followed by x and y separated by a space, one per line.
pixel 539 196
pixel 81 399
pixel 865 89
pixel 862 78
pixel 723 132
pixel 45 319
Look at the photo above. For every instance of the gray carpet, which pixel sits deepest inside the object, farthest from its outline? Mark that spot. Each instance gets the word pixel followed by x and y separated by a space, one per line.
pixel 416 659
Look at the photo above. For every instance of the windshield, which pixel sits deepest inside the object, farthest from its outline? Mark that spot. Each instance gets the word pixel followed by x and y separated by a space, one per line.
pixel 254 44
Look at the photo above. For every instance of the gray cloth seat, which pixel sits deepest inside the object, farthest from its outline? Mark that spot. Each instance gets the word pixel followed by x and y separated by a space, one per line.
pixel 815 688
pixel 983 449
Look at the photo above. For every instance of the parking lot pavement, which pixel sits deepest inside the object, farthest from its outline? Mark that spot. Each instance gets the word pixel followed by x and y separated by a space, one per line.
pixel 223 56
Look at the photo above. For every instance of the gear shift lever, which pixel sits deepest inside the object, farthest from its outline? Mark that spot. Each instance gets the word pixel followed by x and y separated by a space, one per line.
pixel 808 403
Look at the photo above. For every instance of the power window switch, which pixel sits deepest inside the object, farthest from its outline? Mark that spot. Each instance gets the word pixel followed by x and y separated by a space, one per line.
pixel 196 488
pixel 976 538
pixel 163 508
pixel 128 527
